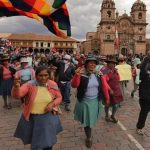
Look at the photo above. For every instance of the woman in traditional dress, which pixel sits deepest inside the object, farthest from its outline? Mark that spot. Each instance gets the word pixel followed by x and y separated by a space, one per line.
pixel 38 125
pixel 6 80
pixel 115 97
pixel 89 96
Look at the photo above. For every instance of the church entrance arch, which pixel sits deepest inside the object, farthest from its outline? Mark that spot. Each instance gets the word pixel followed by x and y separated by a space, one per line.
pixel 124 51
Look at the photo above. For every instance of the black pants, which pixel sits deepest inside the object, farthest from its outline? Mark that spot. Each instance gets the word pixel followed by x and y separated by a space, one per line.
pixel 88 132
pixel 145 108
pixel 48 148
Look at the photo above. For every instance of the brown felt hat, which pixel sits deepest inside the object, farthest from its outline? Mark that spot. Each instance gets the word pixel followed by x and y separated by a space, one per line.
pixel 111 60
pixel 5 57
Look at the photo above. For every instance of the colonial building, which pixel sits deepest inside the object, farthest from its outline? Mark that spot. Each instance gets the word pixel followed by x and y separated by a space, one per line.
pixel 118 33
pixel 41 42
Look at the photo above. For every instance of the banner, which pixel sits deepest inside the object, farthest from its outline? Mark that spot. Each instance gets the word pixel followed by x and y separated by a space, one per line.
pixel 124 71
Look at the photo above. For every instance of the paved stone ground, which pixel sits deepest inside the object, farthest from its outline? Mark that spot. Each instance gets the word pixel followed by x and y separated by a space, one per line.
pixel 106 136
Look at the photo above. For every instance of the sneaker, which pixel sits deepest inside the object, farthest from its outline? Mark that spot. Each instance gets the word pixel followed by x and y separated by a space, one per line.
pixel 140 131
pixel 132 94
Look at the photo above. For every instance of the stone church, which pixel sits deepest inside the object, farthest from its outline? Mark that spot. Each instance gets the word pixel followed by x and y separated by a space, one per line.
pixel 118 34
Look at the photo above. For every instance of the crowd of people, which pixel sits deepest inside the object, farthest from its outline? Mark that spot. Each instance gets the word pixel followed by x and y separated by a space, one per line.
pixel 43 82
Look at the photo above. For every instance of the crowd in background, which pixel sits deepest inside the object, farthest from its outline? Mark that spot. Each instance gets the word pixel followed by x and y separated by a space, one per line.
pixel 100 80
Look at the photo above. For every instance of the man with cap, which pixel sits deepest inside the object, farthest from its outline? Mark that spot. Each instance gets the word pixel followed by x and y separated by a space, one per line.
pixel 65 71
pixel 144 93
pixel 26 72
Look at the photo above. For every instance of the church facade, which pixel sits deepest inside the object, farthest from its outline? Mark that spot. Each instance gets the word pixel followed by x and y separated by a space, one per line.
pixel 118 34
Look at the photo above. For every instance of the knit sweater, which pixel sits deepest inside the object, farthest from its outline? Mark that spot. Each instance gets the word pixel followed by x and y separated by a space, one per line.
pixel 29 91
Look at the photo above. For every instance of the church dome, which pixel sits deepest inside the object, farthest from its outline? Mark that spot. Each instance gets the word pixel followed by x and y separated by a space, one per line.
pixel 138 5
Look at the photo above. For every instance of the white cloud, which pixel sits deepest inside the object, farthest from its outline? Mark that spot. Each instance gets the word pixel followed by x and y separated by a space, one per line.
pixel 84 15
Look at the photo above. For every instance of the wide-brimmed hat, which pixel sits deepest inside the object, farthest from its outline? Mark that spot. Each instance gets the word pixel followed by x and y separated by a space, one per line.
pixel 91 58
pixel 111 60
pixel 5 57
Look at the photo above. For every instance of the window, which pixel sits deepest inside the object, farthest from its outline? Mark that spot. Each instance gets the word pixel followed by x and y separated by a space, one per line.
pixel 41 44
pixel 109 14
pixel 108 37
pixel 140 38
pixel 109 6
pixel 90 37
pixel 140 29
pixel 48 44
pixel 140 16
pixel 108 27
pixel 37 44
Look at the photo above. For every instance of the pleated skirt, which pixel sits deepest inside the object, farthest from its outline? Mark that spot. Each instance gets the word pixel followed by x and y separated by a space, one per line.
pixel 6 87
pixel 88 111
pixel 40 131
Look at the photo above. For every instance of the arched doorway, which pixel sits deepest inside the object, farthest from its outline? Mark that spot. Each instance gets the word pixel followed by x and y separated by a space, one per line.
pixel 47 51
pixel 41 50
pixel 124 51
pixel 36 50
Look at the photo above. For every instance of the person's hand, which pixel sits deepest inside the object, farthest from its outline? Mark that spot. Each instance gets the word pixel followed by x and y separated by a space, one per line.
pixel 49 107
pixel 79 71
pixel 111 92
pixel 17 82
pixel 107 103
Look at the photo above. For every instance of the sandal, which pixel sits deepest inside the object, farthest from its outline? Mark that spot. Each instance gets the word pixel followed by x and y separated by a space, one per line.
pixel 114 120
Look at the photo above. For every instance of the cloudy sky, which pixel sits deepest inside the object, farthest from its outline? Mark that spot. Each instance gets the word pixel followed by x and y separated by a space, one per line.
pixel 84 15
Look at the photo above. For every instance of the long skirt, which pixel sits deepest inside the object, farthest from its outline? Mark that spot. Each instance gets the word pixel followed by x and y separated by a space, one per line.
pixel 88 111
pixel 5 87
pixel 40 131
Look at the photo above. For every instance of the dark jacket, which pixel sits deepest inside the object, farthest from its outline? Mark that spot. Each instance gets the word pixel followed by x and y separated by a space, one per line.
pixel 83 87
pixel 67 75
pixel 144 86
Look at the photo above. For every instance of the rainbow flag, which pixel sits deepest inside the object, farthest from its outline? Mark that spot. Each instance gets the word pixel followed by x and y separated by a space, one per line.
pixel 6 9
pixel 40 7
pixel 57 22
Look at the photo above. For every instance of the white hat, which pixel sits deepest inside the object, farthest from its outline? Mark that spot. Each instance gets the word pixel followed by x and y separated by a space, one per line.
pixel 24 60
pixel 138 62
pixel 68 57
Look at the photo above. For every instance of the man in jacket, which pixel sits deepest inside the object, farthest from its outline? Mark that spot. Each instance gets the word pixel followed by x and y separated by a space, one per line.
pixel 65 72
pixel 144 94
